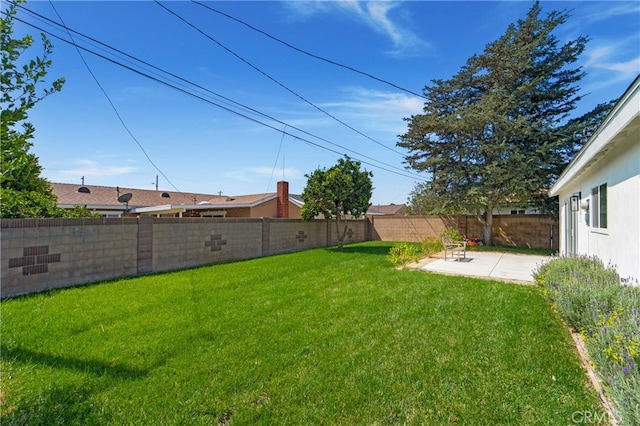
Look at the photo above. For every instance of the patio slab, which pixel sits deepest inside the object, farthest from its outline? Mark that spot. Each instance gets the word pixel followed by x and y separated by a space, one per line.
pixel 494 265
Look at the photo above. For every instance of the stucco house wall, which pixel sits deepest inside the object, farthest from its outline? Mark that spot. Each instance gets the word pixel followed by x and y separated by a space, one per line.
pixel 611 160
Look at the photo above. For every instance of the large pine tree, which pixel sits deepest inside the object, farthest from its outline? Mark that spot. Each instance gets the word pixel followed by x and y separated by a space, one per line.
pixel 489 136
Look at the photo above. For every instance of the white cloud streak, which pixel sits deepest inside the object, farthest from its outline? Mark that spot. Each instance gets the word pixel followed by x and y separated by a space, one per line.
pixel 90 168
pixel 377 110
pixel 375 15
pixel 258 174
pixel 603 59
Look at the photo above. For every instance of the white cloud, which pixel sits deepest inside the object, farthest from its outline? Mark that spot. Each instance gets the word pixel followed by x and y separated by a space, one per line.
pixel 238 175
pixel 383 111
pixel 406 43
pixel 598 13
pixel 374 14
pixel 258 174
pixel 603 59
pixel 269 171
pixel 90 168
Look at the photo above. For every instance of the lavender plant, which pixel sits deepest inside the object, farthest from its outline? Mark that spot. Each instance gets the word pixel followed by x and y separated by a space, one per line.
pixel 592 299
pixel 580 288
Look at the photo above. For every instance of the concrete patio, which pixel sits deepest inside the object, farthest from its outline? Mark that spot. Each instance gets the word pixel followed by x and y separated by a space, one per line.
pixel 494 265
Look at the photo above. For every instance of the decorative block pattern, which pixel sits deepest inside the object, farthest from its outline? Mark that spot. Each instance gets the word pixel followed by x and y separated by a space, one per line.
pixel 215 242
pixel 97 249
pixel 301 236
pixel 350 233
pixel 34 260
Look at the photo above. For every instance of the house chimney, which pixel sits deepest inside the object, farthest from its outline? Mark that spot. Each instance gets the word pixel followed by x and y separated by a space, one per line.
pixel 283 200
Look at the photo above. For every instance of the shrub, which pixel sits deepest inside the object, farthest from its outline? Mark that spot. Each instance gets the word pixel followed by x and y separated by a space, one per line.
pixel 431 245
pixel 451 233
pixel 590 297
pixel 580 288
pixel 614 347
pixel 402 253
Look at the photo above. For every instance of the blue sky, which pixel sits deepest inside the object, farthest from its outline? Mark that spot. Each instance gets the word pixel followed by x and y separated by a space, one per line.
pixel 322 112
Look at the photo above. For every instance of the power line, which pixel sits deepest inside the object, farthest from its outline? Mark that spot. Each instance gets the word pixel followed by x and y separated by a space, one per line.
pixel 236 112
pixel 245 107
pixel 321 58
pixel 275 164
pixel 209 101
pixel 112 104
pixel 188 82
pixel 273 79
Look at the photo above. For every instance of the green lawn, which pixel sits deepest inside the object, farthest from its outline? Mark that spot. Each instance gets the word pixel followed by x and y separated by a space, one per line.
pixel 317 337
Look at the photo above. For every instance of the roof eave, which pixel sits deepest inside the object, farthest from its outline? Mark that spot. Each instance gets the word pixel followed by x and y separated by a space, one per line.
pixel 599 140
pixel 94 206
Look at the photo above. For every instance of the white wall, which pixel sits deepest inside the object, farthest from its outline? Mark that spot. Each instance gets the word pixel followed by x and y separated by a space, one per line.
pixel 619 243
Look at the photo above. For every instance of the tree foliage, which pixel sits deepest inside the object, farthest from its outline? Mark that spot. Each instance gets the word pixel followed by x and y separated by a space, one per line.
pixel 575 133
pixel 23 192
pixel 337 192
pixel 489 135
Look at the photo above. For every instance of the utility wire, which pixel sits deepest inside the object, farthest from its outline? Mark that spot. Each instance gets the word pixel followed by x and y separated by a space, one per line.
pixel 306 52
pixel 111 102
pixel 209 101
pixel 275 164
pixel 245 107
pixel 273 79
pixel 188 82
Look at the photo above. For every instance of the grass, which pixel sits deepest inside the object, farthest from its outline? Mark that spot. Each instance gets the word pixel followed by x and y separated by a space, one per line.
pixel 316 337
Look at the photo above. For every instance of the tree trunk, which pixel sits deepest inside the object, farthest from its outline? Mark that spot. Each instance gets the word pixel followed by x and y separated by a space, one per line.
pixel 487 225
pixel 339 234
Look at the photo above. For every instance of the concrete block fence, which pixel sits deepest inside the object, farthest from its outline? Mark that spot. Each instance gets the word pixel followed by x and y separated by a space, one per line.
pixel 535 231
pixel 40 254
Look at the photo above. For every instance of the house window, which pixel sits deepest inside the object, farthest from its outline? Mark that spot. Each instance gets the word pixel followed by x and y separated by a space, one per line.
pixel 599 207
pixel 517 212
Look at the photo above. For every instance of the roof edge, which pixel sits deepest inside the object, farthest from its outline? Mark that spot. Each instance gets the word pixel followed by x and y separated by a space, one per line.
pixel 590 150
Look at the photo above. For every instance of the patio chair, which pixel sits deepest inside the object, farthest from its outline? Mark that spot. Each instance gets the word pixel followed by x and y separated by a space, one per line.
pixel 454 249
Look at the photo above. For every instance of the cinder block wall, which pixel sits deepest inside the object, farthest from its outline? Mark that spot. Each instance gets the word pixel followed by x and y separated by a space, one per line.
pixel 289 235
pixel 357 230
pixel 183 243
pixel 40 254
pixel 411 228
pixel 535 231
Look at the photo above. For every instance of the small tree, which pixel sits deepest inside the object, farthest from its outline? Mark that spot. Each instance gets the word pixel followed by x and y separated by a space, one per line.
pixel 337 192
pixel 23 192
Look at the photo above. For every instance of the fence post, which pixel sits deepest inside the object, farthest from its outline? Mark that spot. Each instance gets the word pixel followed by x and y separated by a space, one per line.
pixel 266 236
pixel 145 245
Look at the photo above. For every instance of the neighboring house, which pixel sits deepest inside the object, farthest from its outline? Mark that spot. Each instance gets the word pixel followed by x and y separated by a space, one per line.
pixel 142 202
pixel 387 210
pixel 515 210
pixel 599 191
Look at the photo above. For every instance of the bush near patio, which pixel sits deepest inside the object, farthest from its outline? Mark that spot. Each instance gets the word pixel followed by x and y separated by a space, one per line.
pixel 592 300
pixel 402 253
pixel 313 337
